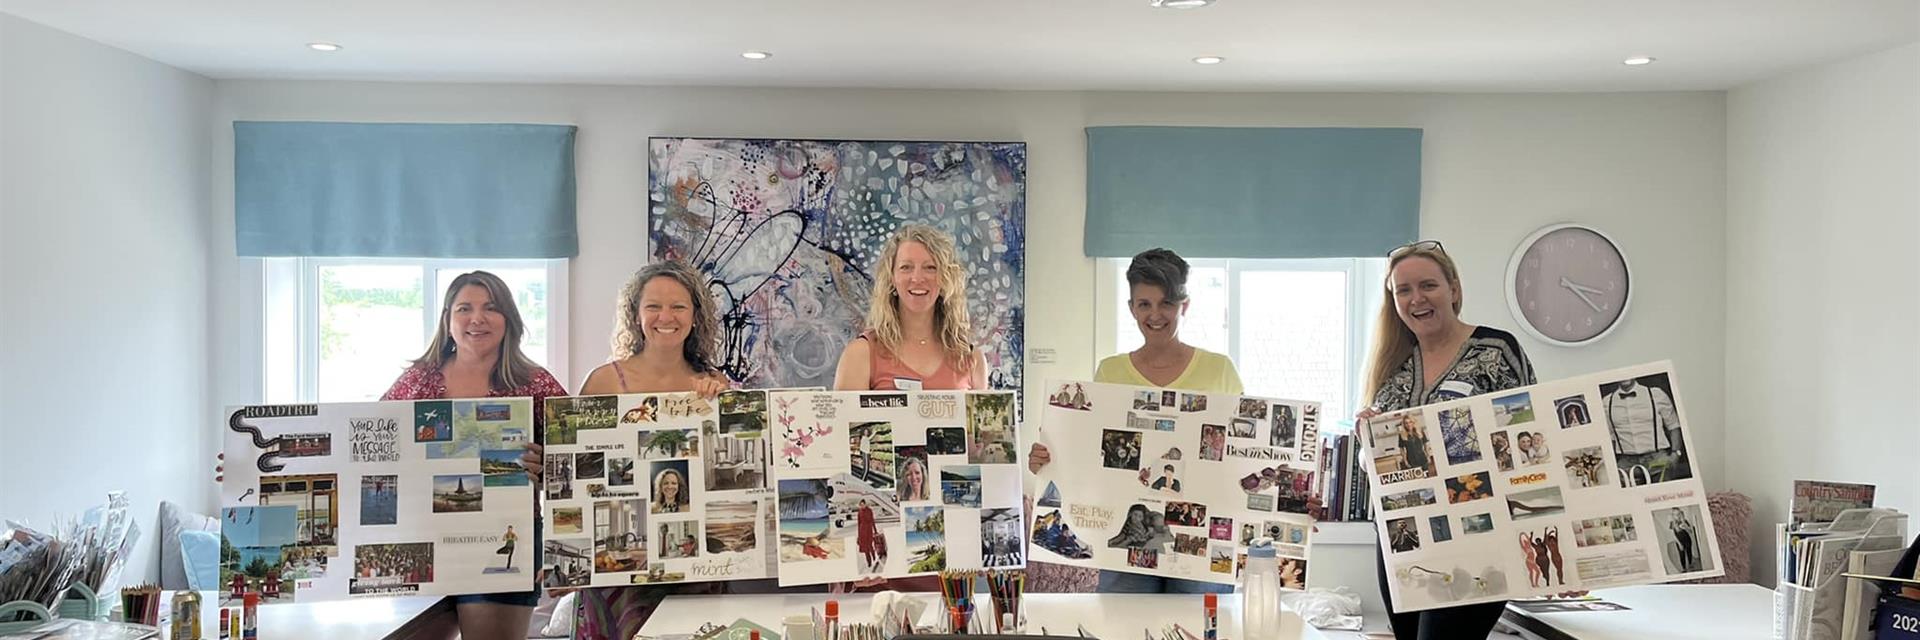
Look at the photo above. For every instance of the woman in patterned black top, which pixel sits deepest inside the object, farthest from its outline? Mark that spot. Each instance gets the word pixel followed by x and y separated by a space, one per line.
pixel 1422 354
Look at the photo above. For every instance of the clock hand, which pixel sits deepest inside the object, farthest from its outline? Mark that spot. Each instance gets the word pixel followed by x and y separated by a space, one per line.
pixel 1576 289
pixel 1564 282
pixel 1579 287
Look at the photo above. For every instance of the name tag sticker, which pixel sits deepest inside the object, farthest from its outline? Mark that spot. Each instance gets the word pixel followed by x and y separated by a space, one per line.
pixel 1455 389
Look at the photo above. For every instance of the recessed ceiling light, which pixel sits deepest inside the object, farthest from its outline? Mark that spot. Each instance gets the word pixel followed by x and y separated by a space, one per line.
pixel 1179 4
pixel 1637 61
pixel 323 46
pixel 756 55
pixel 1209 60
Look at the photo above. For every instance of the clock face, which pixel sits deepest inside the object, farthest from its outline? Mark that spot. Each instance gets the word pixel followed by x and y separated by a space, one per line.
pixel 1569 285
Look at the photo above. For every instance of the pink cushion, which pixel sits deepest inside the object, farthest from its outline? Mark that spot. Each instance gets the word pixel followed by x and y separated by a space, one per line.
pixel 1047 577
pixel 1731 513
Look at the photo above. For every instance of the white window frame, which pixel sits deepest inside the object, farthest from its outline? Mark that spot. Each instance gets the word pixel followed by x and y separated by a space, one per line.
pixel 1364 296
pixel 290 345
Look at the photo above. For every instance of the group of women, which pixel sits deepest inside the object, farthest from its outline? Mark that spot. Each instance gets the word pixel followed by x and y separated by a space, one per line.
pixel 918 337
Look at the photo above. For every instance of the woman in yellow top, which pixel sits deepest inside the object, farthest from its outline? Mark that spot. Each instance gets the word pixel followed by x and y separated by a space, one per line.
pixel 1157 283
pixel 1158 299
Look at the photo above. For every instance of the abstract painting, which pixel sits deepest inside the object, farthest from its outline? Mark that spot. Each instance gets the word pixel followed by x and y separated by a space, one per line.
pixel 788 231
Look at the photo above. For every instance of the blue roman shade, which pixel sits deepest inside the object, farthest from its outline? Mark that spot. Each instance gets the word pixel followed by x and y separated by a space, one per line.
pixel 404 190
pixel 1225 192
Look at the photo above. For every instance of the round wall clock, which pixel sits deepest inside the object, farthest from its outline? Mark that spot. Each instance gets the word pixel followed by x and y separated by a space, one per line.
pixel 1568 284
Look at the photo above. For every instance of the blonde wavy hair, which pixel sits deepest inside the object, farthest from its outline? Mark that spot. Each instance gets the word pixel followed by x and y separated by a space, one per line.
pixel 703 341
pixel 950 321
pixel 1393 342
pixel 515 368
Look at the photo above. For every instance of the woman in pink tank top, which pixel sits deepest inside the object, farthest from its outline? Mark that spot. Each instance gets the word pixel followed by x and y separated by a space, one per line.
pixel 665 336
pixel 664 340
pixel 918 336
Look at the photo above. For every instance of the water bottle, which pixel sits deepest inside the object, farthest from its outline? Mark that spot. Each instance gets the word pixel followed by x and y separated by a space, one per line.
pixel 1260 592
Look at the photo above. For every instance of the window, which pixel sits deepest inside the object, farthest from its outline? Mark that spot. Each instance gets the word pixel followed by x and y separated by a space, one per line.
pixel 341 329
pixel 1294 328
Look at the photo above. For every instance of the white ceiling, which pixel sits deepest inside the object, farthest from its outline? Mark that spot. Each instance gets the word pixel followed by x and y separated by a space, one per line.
pixel 1360 45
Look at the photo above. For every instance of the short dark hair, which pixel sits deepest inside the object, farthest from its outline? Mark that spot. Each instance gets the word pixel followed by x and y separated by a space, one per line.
pixel 1161 268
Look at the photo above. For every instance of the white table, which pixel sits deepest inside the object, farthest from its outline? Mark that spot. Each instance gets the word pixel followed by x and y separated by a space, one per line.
pixel 1108 616
pixel 1660 612
pixel 368 619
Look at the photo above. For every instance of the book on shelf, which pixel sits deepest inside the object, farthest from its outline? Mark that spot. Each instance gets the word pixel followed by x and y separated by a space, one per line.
pixel 1343 483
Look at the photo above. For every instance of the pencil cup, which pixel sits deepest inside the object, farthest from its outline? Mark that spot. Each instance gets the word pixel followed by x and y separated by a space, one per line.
pixel 81 603
pixel 799 627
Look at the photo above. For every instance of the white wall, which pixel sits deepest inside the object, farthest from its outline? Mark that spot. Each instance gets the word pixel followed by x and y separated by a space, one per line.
pixel 1647 168
pixel 1823 215
pixel 104 209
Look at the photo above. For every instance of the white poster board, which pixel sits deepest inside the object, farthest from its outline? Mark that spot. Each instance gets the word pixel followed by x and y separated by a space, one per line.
pixel 1173 483
pixel 1575 484
pixel 332 501
pixel 656 488
pixel 894 484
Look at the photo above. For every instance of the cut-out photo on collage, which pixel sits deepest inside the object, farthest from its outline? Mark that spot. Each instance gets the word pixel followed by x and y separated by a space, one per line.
pixel 1565 501
pixel 893 484
pixel 656 488
pixel 1173 484
pixel 342 500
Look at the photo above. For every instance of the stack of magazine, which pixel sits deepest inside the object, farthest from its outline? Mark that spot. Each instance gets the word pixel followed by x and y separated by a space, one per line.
pixel 1833 530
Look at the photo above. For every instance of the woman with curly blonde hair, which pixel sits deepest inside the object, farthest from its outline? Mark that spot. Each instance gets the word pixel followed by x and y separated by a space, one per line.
pixel 918 335
pixel 665 335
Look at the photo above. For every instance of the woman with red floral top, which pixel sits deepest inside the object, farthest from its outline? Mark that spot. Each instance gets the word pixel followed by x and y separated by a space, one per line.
pixel 475 353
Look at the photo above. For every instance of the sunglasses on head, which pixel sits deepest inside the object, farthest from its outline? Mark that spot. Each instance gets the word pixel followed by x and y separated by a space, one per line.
pixel 1417 245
